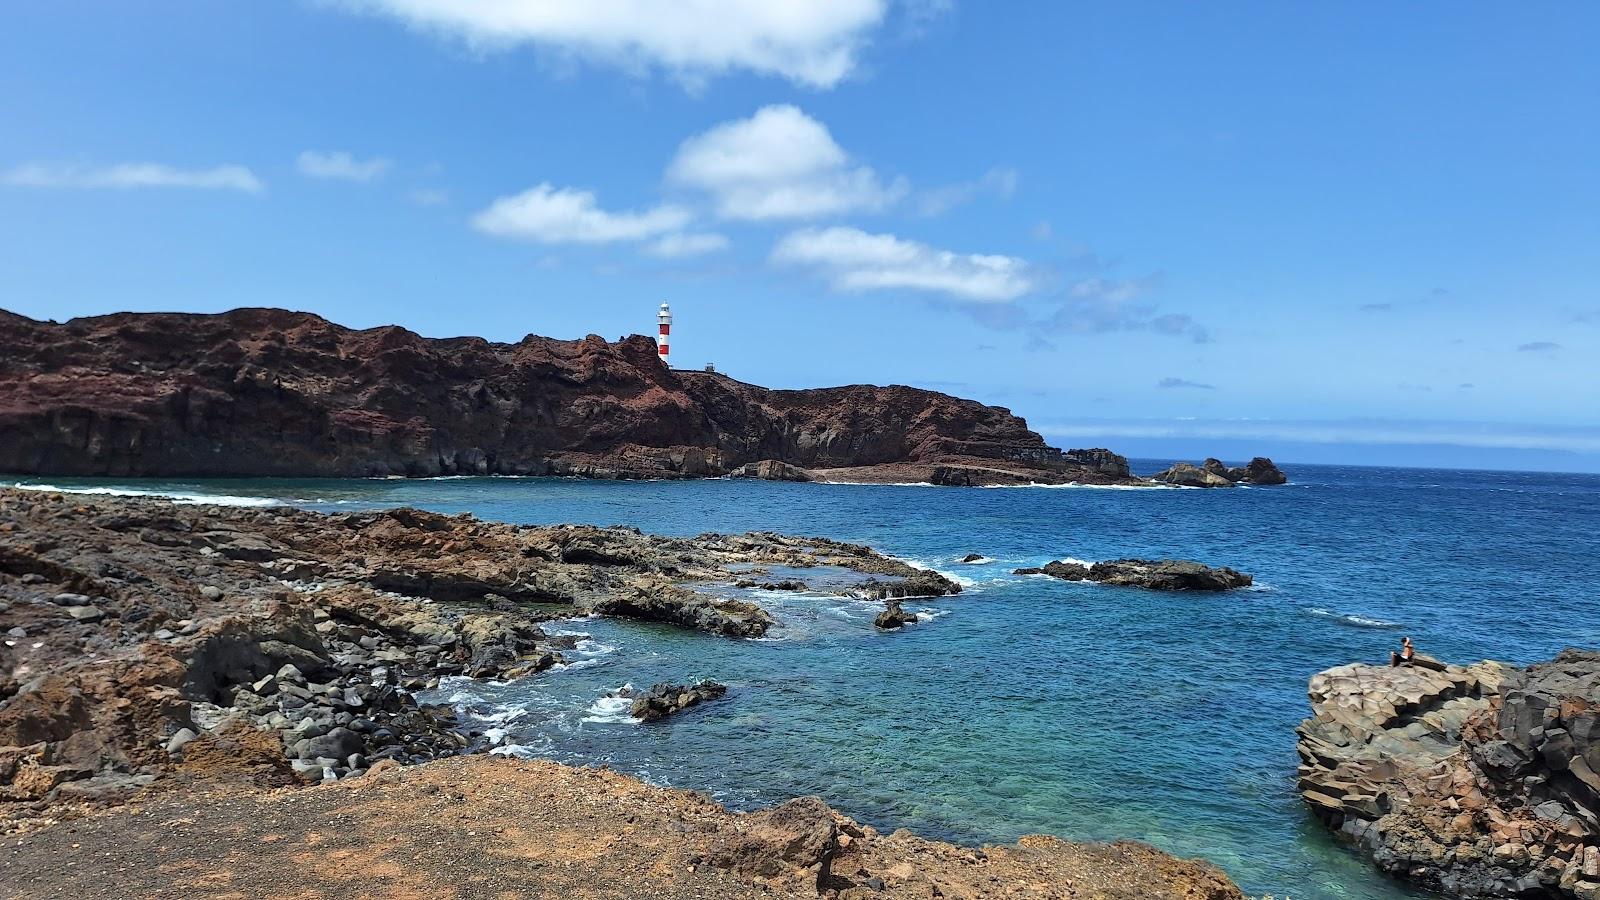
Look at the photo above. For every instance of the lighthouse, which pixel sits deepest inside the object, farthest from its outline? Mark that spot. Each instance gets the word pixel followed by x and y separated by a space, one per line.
pixel 664 323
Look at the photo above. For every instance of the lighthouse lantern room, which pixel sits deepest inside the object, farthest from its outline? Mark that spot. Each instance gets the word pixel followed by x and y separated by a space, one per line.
pixel 664 320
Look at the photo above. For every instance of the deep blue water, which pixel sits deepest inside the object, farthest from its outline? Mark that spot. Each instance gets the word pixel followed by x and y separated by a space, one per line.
pixel 1030 704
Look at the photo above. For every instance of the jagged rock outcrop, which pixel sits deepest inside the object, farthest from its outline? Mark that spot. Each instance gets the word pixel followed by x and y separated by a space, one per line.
pixel 1189 475
pixel 1476 780
pixel 772 470
pixel 1157 575
pixel 1214 473
pixel 257 392
pixel 893 616
pixel 666 699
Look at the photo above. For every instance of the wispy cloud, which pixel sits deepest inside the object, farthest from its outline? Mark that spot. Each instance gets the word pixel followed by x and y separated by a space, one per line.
pixel 676 246
pixel 549 215
pixel 814 43
pixel 133 175
pixel 1107 304
pixel 854 260
pixel 778 164
pixel 1539 347
pixel 340 165
pixel 1579 439
pixel 1175 383
pixel 997 182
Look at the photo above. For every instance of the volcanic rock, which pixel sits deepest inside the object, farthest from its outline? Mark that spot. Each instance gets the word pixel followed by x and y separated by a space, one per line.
pixel 257 392
pixel 1214 473
pixel 1188 475
pixel 1476 780
pixel 665 699
pixel 1158 575
pixel 893 616
pixel 773 470
pixel 1066 571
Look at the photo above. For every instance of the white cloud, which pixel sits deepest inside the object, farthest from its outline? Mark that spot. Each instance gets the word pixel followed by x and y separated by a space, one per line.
pixel 778 164
pixel 812 42
pixel 340 165
pixel 854 260
pixel 550 215
pixel 998 182
pixel 133 175
pixel 676 246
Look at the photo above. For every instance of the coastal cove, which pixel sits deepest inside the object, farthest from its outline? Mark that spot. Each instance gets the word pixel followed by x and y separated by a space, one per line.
pixel 1029 704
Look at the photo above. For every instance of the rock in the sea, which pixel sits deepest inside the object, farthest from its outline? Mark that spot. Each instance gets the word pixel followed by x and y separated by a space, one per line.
pixel 665 699
pixel 1261 471
pixel 974 558
pixel 1155 574
pixel 773 470
pixel 893 616
pixel 1066 571
pixel 1189 475
pixel 916 583
pixel 1476 780
pixel 1214 473
pixel 663 602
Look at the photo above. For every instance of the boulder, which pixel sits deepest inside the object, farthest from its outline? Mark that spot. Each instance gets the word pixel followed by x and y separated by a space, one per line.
pixel 894 617
pixel 799 837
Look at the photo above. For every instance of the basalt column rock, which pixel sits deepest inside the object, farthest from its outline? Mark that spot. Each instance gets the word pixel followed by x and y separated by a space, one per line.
pixel 1477 780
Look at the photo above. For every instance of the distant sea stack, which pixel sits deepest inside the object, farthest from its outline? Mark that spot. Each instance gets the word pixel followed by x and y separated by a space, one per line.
pixel 1214 473
pixel 268 392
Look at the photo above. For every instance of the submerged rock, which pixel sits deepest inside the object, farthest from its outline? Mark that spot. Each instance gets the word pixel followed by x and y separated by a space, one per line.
pixel 1476 780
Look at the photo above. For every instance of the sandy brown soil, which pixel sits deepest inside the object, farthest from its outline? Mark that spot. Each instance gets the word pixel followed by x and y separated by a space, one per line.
pixel 491 827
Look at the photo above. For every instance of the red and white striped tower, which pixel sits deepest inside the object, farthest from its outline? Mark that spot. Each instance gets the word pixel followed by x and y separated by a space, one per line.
pixel 664 318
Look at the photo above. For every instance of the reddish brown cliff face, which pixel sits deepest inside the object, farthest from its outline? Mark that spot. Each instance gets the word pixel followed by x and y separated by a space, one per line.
pixel 272 392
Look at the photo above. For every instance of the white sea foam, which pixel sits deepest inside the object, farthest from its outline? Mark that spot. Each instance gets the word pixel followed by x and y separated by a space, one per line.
pixel 1353 620
pixel 611 709
pixel 174 496
pixel 962 580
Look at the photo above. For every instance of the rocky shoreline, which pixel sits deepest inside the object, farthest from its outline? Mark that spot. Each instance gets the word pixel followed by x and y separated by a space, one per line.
pixel 1477 780
pixel 157 654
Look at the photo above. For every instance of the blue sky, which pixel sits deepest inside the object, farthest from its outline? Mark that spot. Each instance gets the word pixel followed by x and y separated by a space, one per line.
pixel 1344 231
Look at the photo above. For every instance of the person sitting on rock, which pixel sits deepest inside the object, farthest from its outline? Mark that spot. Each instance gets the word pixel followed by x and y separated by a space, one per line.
pixel 1406 654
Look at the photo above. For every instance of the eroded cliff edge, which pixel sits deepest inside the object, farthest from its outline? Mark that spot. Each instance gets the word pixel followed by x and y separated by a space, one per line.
pixel 268 392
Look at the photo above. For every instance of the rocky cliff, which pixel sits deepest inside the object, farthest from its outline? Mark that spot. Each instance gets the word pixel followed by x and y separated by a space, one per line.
pixel 271 392
pixel 1478 780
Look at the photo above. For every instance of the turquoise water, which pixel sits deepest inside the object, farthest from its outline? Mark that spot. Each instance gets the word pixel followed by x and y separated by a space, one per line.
pixel 1029 704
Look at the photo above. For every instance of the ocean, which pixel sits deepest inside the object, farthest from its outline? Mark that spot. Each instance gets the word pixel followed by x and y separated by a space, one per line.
pixel 1027 704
